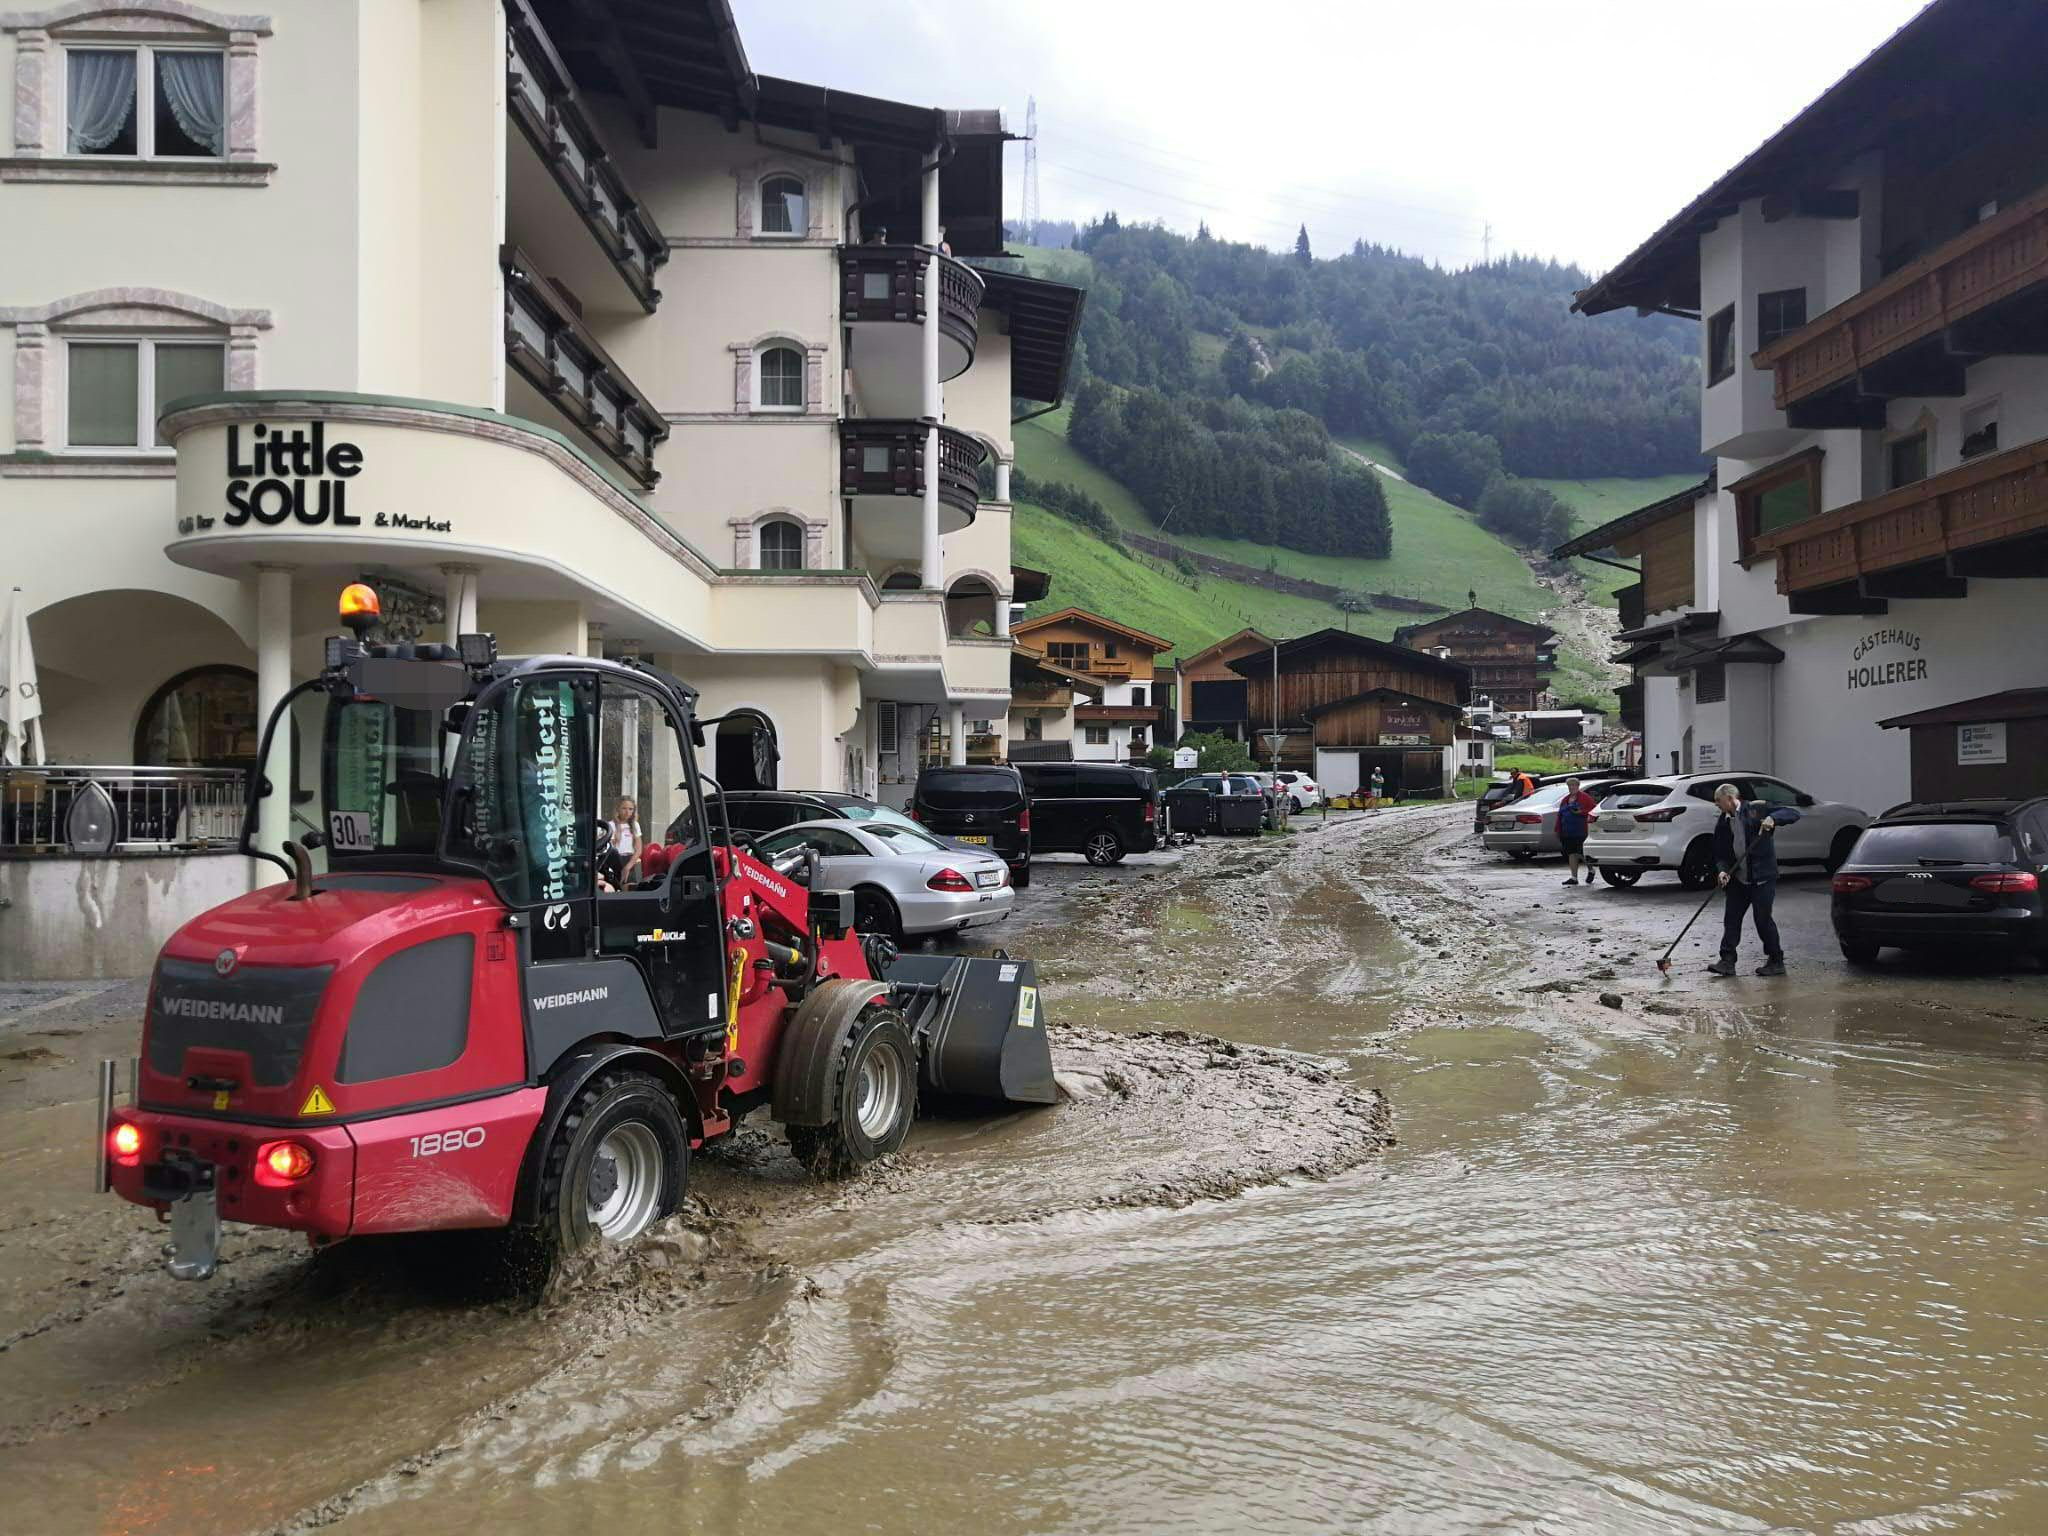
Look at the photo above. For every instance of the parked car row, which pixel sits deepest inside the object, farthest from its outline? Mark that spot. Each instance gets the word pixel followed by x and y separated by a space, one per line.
pixel 1923 875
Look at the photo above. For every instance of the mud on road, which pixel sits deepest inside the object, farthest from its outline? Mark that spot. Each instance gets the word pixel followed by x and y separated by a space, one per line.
pixel 1701 1256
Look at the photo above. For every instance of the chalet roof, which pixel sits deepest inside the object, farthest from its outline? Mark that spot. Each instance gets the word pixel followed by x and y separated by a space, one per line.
pixel 1594 539
pixel 1915 78
pixel 1343 639
pixel 1045 319
pixel 1265 641
pixel 1388 695
pixel 2012 704
pixel 1501 620
pixel 1083 616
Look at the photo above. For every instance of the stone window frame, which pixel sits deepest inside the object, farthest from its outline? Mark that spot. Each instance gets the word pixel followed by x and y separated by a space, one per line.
pixel 41 39
pixel 747 183
pixel 110 314
pixel 745 398
pixel 746 541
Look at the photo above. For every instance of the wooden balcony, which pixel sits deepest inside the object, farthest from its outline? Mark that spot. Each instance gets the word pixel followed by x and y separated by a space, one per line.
pixel 887 458
pixel 551 349
pixel 1985 518
pixel 542 100
pixel 1982 294
pixel 886 284
pixel 1025 696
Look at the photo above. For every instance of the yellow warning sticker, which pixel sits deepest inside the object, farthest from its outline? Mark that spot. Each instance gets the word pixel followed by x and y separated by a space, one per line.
pixel 220 1098
pixel 317 1102
pixel 1027 1007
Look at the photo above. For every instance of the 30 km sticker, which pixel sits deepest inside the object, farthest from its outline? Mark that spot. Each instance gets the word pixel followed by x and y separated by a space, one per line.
pixel 438 1143
pixel 349 830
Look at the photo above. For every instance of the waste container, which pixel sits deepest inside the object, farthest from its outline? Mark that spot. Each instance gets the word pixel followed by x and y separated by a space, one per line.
pixel 1190 808
pixel 1240 813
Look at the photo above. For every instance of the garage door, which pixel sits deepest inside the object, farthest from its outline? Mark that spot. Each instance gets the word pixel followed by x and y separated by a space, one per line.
pixel 1337 771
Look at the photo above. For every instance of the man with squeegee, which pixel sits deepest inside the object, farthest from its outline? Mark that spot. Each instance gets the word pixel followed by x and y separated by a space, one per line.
pixel 1748 863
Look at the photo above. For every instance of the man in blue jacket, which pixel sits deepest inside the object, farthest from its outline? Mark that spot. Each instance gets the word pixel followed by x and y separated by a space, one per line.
pixel 1748 865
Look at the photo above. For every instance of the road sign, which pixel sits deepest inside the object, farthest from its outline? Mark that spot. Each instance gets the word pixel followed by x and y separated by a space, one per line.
pixel 1274 740
pixel 1186 757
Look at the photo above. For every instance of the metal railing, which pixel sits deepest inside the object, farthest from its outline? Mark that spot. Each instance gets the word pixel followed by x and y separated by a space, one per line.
pixel 551 348
pixel 543 101
pixel 71 811
pixel 887 458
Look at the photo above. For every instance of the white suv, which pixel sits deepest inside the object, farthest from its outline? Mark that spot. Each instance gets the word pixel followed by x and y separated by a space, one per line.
pixel 1301 789
pixel 1668 823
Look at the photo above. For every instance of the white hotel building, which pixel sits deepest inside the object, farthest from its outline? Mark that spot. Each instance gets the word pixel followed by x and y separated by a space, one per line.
pixel 1872 544
pixel 575 329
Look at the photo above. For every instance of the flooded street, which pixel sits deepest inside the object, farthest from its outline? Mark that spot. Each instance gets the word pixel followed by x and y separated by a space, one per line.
pixel 1731 1256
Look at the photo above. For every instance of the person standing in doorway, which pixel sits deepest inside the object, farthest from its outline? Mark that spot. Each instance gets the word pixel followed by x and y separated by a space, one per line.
pixel 625 848
pixel 1748 865
pixel 1574 820
pixel 1379 787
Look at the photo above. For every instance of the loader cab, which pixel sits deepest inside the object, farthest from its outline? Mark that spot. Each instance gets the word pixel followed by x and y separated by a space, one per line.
pixel 570 785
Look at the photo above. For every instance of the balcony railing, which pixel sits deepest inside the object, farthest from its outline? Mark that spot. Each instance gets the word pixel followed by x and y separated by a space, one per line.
pixel 1026 696
pixel 1926 302
pixel 888 282
pixel 543 101
pixel 1984 502
pixel 887 458
pixel 67 812
pixel 549 346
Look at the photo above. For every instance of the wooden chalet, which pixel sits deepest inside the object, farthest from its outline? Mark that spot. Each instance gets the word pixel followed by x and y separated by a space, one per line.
pixel 1510 659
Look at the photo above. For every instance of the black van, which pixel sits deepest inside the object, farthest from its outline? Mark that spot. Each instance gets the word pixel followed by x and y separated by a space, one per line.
pixel 982 804
pixel 1103 810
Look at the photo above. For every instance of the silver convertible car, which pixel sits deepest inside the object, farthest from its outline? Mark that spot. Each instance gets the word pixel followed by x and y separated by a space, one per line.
pixel 905 882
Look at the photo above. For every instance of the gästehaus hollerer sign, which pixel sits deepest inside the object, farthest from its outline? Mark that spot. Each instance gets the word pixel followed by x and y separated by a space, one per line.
pixel 278 475
pixel 1887 656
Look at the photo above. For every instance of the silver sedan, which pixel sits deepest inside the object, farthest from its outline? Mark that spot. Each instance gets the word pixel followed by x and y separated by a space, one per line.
pixel 1526 827
pixel 905 882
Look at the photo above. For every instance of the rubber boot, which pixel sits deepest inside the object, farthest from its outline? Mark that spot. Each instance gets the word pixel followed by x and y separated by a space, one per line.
pixel 1722 967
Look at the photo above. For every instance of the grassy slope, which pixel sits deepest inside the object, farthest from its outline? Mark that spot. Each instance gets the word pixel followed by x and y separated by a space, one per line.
pixel 1593 502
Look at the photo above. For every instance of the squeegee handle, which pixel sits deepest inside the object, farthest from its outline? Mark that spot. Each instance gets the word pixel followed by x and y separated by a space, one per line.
pixel 1711 894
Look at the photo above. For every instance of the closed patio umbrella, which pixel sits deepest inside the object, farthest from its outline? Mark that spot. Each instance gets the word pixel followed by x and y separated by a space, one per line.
pixel 21 704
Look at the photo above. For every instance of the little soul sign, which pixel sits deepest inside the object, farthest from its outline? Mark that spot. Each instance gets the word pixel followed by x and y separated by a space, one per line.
pixel 295 475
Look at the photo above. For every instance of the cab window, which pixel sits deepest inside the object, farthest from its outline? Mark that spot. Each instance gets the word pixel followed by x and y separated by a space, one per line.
pixel 643 779
pixel 525 804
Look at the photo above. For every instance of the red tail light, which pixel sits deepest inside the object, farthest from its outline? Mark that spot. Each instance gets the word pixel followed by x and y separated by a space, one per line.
pixel 2012 883
pixel 1528 821
pixel 280 1164
pixel 1024 819
pixel 950 880
pixel 914 815
pixel 124 1143
pixel 1151 813
pixel 1669 813
pixel 1849 884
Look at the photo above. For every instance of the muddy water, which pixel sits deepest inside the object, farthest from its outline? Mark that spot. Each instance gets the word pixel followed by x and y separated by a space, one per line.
pixel 1747 1259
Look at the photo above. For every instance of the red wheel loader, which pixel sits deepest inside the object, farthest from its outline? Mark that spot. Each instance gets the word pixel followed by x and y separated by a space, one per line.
pixel 482 1013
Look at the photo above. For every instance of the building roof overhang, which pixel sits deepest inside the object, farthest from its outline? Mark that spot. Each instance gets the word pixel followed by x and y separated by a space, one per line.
pixel 1896 85
pixel 2012 704
pixel 1027 585
pixel 1264 642
pixel 1097 621
pixel 1044 321
pixel 1727 650
pixel 1684 624
pixel 1603 537
pixel 1260 663
pixel 1498 620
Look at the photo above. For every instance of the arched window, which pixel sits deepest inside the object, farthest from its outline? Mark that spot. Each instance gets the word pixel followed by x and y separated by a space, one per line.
pixel 781 373
pixel 782 207
pixel 204 718
pixel 902 581
pixel 782 545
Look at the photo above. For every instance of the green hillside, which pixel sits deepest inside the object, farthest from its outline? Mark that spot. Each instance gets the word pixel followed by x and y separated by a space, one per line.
pixel 1594 502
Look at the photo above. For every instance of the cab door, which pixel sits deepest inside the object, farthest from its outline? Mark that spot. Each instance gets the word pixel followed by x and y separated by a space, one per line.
pixel 663 914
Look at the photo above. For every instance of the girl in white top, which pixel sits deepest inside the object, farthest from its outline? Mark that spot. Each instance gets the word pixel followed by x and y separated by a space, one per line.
pixel 626 838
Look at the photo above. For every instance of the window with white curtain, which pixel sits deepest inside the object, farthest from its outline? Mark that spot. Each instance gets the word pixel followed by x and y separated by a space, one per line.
pixel 114 387
pixel 149 102
pixel 783 210
pixel 781 373
pixel 782 545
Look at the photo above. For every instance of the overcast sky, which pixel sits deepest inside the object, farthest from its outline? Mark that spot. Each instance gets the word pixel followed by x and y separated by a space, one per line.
pixel 1573 127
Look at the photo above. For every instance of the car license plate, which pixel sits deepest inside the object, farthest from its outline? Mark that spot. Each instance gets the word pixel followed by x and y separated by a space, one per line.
pixel 988 877
pixel 974 837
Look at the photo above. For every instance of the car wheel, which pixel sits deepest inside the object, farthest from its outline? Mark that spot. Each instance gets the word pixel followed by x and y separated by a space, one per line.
pixel 1696 870
pixel 1620 879
pixel 1859 951
pixel 1104 846
pixel 1520 855
pixel 1840 849
pixel 1299 805
pixel 619 1162
pixel 874 912
pixel 1020 876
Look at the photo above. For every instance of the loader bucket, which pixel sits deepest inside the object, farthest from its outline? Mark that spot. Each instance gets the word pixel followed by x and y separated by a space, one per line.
pixel 979 1026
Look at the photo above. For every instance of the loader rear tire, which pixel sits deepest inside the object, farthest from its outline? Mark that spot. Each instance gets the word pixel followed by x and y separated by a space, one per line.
pixel 874 1103
pixel 619 1162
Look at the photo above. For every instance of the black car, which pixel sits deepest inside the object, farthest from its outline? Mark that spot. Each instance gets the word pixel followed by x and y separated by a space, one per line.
pixel 983 805
pixel 1490 799
pixel 1102 810
pixel 1946 875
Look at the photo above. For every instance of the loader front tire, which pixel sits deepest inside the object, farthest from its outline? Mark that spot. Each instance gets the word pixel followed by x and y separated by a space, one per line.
pixel 874 1103
pixel 618 1163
